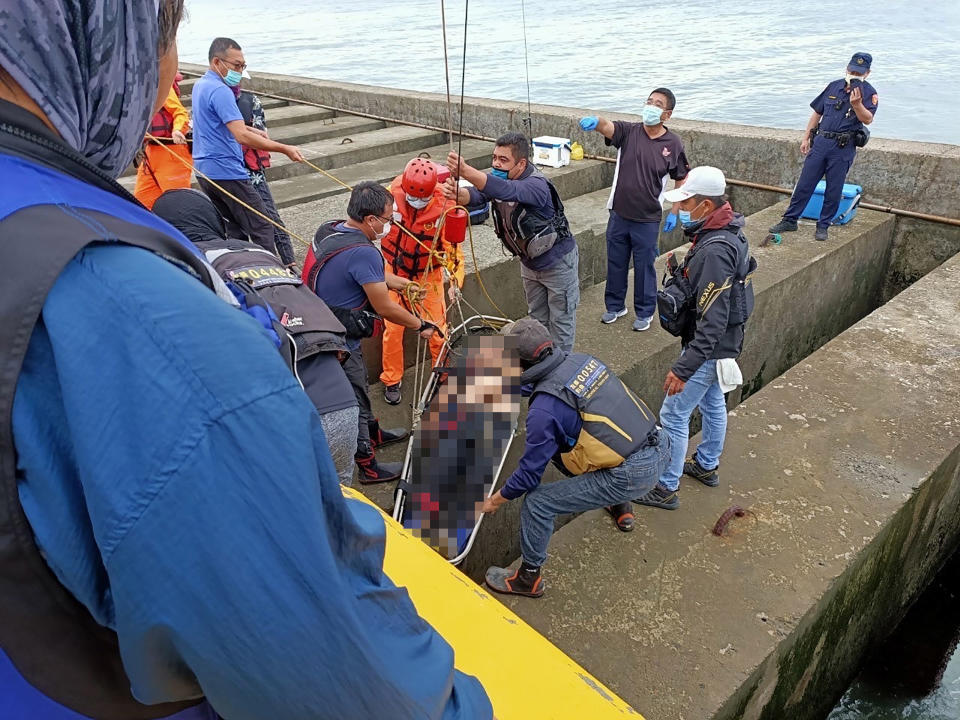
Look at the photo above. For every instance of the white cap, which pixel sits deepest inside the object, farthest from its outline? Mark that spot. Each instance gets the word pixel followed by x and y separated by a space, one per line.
pixel 703 180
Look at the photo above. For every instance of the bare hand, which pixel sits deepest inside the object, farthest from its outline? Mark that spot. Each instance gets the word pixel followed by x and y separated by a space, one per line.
pixel 449 189
pixel 291 152
pixel 428 332
pixel 414 291
pixel 453 292
pixel 455 163
pixel 178 138
pixel 856 97
pixel 673 385
pixel 805 144
pixel 492 503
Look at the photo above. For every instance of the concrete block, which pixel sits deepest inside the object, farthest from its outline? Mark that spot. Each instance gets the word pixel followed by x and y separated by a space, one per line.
pixel 849 466
pixel 308 132
pixel 295 114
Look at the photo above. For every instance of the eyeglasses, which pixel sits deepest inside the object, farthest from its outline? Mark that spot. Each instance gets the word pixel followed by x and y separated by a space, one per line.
pixel 237 65
pixel 384 220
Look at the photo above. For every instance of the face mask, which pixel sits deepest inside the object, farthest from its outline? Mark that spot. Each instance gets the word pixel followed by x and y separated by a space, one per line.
pixel 686 220
pixel 498 173
pixel 232 78
pixel 651 114
pixel 851 78
pixel 383 233
pixel 417 203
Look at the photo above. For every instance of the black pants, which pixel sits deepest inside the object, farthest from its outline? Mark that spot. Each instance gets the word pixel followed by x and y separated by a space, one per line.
pixel 280 237
pixel 259 230
pixel 356 370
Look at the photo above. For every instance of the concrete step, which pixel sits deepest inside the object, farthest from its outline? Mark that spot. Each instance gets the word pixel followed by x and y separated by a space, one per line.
pixel 334 153
pixel 849 466
pixel 267 103
pixel 294 114
pixel 309 132
pixel 186 85
pixel 307 188
pixel 836 283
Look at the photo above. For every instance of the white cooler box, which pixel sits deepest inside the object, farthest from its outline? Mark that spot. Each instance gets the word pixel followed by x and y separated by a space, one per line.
pixel 552 151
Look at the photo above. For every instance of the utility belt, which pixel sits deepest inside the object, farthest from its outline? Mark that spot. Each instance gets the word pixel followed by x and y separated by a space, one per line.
pixel 359 322
pixel 859 137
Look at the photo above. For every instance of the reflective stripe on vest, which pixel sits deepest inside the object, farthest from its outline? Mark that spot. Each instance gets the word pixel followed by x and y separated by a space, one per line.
pixel 616 423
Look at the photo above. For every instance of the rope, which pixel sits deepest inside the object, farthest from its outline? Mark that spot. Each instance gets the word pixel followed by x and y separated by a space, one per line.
pixel 526 65
pixel 329 175
pixel 446 72
pixel 229 194
pixel 463 80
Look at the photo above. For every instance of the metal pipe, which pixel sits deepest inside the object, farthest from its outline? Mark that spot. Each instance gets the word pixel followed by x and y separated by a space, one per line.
pixel 955 222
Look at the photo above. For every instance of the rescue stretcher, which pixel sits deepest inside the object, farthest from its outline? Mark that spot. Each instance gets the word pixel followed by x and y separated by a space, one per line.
pixel 500 442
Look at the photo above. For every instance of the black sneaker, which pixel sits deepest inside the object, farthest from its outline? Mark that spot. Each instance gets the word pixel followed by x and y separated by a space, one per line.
pixel 821 233
pixel 370 471
pixel 695 470
pixel 391 394
pixel 785 225
pixel 622 514
pixel 660 497
pixel 380 437
pixel 523 581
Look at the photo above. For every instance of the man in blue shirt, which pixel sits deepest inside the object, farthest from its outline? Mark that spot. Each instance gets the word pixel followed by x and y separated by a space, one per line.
pixel 347 271
pixel 594 429
pixel 529 220
pixel 218 133
pixel 173 538
pixel 833 134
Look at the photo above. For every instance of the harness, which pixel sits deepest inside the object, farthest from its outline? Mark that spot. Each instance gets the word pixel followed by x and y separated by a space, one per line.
pixel 51 638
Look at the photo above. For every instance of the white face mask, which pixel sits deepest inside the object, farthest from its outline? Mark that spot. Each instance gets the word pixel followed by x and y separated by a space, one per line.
pixel 850 76
pixel 383 233
pixel 418 203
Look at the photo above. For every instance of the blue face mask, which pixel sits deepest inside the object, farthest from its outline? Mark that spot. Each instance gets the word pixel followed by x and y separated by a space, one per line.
pixel 498 173
pixel 686 221
pixel 232 78
pixel 651 115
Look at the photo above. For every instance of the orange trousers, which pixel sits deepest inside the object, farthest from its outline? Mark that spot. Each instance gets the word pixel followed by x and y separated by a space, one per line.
pixel 434 310
pixel 168 173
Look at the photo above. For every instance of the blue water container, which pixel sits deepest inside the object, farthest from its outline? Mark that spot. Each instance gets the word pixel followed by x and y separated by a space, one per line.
pixel 851 194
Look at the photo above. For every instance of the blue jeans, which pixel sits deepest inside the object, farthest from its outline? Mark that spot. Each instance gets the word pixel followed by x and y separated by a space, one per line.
pixel 824 159
pixel 553 295
pixel 701 390
pixel 626 239
pixel 635 477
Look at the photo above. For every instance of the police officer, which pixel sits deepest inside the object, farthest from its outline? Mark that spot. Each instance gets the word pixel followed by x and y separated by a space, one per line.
pixel 834 132
pixel 528 218
pixel 576 402
pixel 715 294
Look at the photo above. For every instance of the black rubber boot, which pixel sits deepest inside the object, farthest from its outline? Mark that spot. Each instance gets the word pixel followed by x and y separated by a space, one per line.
pixel 622 514
pixel 525 581
pixel 821 233
pixel 380 437
pixel 370 471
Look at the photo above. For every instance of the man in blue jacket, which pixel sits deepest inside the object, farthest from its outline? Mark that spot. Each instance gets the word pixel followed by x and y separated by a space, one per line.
pixel 593 428
pixel 173 538
pixel 528 218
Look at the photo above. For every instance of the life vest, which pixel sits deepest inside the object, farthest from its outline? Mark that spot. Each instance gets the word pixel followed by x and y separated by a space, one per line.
pixel 616 423
pixel 523 231
pixel 328 242
pixel 49 636
pixel 304 317
pixel 407 257
pixel 161 125
pixel 256 160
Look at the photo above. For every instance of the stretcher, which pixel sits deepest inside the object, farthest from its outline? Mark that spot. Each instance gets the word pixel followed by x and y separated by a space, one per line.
pixel 524 674
pixel 447 472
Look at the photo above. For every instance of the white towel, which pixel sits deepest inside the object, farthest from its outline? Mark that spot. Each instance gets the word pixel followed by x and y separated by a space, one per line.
pixel 728 374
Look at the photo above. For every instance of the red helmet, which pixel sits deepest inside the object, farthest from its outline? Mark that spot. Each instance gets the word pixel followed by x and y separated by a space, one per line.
pixel 419 178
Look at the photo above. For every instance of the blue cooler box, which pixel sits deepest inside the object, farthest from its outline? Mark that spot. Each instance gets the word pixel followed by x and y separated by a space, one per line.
pixel 851 194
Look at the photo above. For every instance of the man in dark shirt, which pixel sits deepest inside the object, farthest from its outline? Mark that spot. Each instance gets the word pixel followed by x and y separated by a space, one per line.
pixel 647 153
pixel 529 220
pixel 829 142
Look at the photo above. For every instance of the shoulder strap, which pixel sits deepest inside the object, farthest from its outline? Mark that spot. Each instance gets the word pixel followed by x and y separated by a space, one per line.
pixel 84 671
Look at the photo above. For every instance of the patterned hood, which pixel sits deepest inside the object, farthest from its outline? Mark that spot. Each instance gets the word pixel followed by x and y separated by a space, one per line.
pixel 90 66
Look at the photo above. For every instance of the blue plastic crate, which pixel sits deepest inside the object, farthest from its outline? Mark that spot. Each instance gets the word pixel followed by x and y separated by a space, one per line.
pixel 850 195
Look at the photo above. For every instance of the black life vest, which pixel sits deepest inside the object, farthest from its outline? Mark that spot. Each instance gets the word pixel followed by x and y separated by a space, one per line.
pixel 523 231
pixel 616 423
pixel 328 242
pixel 51 638
pixel 303 316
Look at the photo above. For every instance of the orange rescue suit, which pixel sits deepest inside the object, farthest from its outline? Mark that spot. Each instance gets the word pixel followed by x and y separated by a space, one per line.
pixel 160 171
pixel 408 258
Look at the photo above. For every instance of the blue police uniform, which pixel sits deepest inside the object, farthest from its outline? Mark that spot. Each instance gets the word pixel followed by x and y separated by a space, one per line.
pixel 833 148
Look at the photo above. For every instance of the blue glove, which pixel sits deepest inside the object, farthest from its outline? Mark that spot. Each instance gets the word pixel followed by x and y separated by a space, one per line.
pixel 670 223
pixel 589 123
